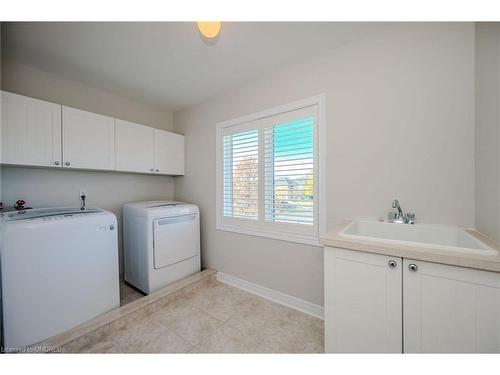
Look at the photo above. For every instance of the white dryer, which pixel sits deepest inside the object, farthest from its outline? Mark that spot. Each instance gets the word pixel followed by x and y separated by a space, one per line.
pixel 161 242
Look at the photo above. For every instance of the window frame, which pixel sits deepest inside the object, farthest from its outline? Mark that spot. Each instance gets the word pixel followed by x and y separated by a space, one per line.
pixel 275 230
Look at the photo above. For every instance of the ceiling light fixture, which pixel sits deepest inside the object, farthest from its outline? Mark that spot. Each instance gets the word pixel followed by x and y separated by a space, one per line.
pixel 209 30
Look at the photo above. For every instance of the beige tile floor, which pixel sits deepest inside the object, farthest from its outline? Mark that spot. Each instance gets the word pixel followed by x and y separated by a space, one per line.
pixel 128 293
pixel 217 318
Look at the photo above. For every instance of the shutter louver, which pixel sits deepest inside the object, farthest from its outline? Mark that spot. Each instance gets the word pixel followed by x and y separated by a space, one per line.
pixel 241 174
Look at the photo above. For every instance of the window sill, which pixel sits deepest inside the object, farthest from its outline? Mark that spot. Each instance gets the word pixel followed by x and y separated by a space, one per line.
pixel 290 237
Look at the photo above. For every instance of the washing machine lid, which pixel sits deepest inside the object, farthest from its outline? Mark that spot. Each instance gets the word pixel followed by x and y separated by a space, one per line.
pixel 45 212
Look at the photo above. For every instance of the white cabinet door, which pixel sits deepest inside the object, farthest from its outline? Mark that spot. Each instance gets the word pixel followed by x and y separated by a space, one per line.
pixel 31 131
pixel 169 153
pixel 88 140
pixel 450 309
pixel 134 145
pixel 363 302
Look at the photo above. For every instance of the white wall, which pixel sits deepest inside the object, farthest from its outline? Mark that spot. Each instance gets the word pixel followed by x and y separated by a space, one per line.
pixel 108 190
pixel 31 81
pixel 487 135
pixel 400 124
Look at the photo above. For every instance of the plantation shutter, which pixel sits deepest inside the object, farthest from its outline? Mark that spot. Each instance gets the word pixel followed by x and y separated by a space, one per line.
pixel 289 154
pixel 241 174
pixel 268 175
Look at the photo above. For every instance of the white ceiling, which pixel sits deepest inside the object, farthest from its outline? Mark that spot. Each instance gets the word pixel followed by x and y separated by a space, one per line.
pixel 168 64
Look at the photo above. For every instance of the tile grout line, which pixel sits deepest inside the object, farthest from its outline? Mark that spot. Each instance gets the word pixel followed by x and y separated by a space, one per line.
pixel 213 333
pixel 198 309
pixel 159 334
pixel 177 334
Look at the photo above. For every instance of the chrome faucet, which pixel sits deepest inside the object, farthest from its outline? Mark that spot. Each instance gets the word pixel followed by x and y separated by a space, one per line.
pixel 400 217
pixel 395 204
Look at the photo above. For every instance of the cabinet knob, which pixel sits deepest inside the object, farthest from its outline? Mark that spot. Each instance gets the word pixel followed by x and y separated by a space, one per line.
pixel 412 267
pixel 57 162
pixel 152 170
pixel 392 263
pixel 157 170
pixel 67 163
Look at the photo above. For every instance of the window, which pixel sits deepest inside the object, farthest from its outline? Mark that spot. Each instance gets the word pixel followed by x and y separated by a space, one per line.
pixel 267 168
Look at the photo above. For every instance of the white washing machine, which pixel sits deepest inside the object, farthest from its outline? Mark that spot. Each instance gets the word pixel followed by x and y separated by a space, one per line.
pixel 59 269
pixel 161 243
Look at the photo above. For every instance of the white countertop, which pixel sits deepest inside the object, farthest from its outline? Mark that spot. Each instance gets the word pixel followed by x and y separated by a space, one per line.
pixel 454 258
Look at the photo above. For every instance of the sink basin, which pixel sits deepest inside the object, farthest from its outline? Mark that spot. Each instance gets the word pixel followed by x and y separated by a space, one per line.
pixel 429 236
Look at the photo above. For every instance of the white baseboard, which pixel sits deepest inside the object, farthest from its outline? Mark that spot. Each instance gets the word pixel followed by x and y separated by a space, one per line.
pixel 273 295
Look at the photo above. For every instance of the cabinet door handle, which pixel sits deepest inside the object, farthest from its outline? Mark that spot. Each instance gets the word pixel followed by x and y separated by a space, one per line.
pixel 392 263
pixel 412 267
pixel 57 162
pixel 67 163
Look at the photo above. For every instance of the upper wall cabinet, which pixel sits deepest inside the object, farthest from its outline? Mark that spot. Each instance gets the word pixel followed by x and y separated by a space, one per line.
pixel 168 153
pixel 31 131
pixel 88 139
pixel 134 147
pixel 42 134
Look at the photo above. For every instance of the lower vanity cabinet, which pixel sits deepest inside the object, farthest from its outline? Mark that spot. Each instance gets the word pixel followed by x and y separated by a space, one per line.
pixel 449 309
pixel 363 305
pixel 376 303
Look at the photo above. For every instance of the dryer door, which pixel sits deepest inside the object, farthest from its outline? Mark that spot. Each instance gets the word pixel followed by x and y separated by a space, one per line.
pixel 175 239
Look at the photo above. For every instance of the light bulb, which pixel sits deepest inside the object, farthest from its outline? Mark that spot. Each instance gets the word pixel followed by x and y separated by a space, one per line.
pixel 209 29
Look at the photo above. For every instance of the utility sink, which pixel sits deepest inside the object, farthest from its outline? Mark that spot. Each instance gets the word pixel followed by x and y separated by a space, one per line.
pixel 429 236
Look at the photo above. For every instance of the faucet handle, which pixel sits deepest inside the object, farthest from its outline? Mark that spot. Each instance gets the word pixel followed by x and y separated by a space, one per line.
pixel 410 216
